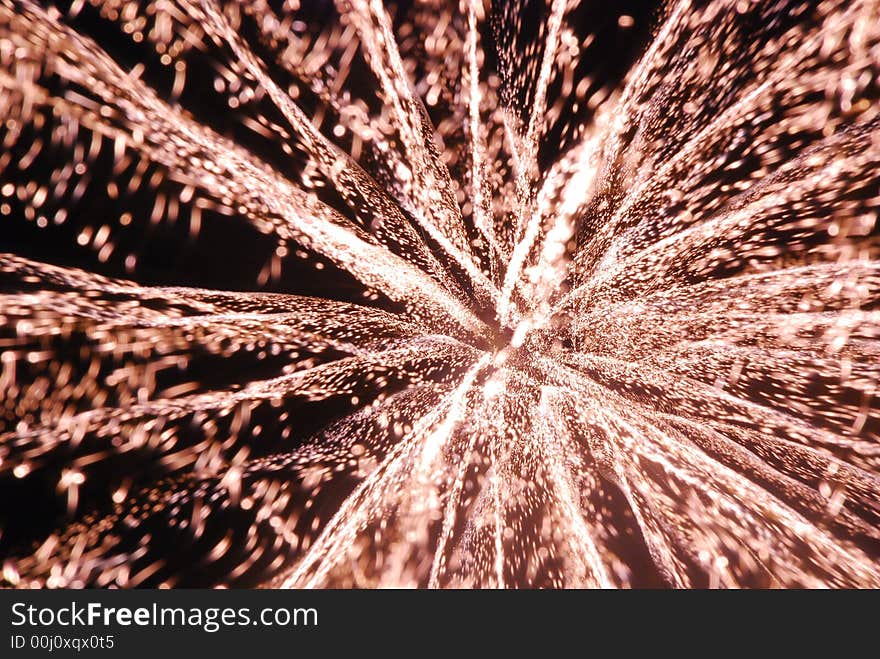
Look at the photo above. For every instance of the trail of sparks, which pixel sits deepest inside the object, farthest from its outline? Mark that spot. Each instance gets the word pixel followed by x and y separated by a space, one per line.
pixel 649 358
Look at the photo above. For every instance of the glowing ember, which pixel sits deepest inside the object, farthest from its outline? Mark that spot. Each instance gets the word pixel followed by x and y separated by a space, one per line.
pixel 646 354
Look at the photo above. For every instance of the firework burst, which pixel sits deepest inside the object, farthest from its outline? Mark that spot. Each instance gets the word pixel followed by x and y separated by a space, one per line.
pixel 303 294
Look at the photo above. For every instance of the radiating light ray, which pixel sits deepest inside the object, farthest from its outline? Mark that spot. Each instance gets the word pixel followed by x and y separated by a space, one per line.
pixel 213 163
pixel 482 198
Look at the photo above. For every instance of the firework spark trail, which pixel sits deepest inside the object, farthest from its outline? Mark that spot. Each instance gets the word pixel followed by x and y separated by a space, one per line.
pixel 526 148
pixel 651 360
pixel 346 175
pixel 218 165
pixel 482 197
pixel 409 471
